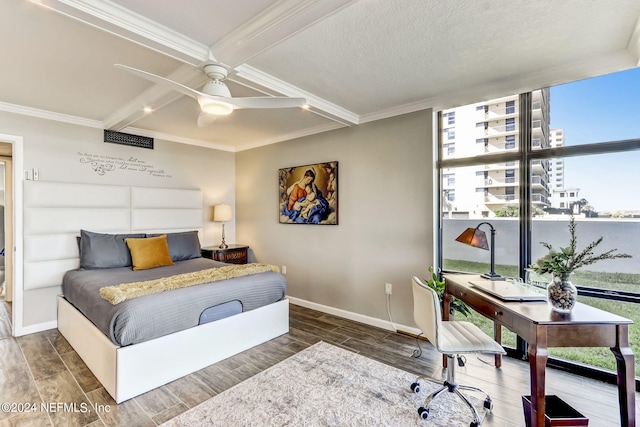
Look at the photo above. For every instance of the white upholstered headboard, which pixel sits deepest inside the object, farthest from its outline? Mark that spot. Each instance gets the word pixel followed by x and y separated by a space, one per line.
pixel 54 213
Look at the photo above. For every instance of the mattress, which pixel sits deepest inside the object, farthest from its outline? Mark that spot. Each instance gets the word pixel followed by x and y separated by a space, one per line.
pixel 151 316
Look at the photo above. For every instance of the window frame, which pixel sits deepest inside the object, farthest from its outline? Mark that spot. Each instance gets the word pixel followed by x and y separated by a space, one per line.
pixel 524 155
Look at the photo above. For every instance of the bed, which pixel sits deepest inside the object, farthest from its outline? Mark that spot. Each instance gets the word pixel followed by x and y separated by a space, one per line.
pixel 131 363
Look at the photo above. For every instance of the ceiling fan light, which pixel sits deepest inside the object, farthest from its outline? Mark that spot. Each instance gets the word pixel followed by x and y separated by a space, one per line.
pixel 217 108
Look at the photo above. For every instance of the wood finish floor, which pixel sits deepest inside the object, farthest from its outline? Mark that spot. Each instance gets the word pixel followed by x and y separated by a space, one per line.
pixel 43 367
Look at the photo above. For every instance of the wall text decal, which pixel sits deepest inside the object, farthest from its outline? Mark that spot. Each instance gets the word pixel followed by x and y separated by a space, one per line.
pixel 102 163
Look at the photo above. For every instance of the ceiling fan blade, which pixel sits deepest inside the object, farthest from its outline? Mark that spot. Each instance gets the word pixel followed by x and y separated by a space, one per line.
pixel 161 80
pixel 205 119
pixel 267 102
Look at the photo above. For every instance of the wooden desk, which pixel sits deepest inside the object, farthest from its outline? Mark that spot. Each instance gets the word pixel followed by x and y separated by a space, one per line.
pixel 541 328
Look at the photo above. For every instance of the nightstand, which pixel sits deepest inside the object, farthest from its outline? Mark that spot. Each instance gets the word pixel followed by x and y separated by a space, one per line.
pixel 234 254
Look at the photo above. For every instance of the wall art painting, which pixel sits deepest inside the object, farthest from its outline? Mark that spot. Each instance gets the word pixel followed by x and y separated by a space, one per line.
pixel 309 194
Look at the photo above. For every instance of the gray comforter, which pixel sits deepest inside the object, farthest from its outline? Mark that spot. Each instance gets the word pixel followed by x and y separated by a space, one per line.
pixel 151 316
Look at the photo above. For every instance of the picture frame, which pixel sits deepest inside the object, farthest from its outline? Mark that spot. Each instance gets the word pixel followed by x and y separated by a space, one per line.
pixel 309 194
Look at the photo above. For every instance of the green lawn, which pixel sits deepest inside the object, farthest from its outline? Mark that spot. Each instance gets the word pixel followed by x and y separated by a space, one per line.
pixel 599 357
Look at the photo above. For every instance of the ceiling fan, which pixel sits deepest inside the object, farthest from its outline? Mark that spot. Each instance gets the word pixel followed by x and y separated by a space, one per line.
pixel 215 98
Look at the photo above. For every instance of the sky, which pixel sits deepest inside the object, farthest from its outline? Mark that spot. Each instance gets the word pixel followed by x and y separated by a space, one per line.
pixel 601 109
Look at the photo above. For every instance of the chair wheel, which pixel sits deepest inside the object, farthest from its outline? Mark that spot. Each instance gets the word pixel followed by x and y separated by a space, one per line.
pixel 415 387
pixel 473 424
pixel 423 412
pixel 488 403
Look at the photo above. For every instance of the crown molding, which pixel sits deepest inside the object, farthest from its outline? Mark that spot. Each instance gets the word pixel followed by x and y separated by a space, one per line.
pixel 117 20
pixel 278 22
pixel 49 115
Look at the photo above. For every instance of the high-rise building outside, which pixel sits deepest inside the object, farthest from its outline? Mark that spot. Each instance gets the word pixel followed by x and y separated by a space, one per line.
pixel 561 197
pixel 486 128
pixel 556 170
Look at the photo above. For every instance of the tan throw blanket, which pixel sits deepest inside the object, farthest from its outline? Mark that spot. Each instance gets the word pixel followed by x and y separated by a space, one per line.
pixel 118 293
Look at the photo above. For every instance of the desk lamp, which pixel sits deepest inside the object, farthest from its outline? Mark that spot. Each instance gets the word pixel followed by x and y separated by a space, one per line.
pixel 478 239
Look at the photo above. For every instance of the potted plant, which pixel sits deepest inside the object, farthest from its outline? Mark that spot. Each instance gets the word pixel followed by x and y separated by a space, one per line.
pixel 438 285
pixel 561 264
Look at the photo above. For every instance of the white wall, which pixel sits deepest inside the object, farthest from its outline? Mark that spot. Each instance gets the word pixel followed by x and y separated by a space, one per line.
pixel 385 215
pixel 71 153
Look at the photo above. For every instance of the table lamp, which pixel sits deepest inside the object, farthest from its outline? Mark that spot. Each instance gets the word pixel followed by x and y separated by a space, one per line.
pixel 222 213
pixel 478 239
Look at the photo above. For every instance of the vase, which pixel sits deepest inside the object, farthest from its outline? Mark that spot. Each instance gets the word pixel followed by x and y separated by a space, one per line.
pixel 562 295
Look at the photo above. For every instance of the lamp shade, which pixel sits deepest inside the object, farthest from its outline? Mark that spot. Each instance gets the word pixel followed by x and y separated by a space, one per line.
pixel 474 237
pixel 222 213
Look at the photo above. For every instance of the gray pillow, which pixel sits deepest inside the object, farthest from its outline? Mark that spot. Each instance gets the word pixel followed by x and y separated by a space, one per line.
pixel 183 245
pixel 98 250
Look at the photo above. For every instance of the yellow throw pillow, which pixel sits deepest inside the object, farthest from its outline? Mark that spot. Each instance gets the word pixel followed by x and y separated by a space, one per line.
pixel 150 252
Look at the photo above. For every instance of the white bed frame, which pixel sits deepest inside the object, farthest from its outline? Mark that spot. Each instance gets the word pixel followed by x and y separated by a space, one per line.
pixel 54 214
pixel 126 372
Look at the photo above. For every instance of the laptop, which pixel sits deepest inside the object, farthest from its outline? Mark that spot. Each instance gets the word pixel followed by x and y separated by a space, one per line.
pixel 507 291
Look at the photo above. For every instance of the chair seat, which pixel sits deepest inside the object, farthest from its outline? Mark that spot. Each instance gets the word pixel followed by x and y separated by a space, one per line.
pixel 465 337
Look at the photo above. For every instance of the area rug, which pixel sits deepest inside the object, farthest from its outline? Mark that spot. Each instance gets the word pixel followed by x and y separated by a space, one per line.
pixel 325 385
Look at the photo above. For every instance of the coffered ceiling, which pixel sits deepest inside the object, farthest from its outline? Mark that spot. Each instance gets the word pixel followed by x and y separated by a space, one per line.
pixel 354 61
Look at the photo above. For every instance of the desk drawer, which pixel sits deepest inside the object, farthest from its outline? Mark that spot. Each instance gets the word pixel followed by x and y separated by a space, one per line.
pixel 484 307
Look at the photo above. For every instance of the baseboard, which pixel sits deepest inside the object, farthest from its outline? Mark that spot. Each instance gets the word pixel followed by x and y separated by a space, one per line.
pixel 38 327
pixel 361 318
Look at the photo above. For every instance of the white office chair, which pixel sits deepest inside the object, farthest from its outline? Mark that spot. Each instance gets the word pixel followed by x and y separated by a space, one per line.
pixel 450 338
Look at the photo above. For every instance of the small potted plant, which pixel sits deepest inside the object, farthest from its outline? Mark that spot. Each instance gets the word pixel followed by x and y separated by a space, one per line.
pixel 438 285
pixel 561 264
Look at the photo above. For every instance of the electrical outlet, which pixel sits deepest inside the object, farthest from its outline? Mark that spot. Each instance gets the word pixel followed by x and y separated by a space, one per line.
pixel 388 288
pixel 284 269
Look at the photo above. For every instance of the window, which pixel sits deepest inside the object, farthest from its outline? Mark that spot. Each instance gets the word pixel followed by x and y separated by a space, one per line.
pixel 510 194
pixel 449 133
pixel 510 125
pixel 450 117
pixel 510 176
pixel 592 168
pixel 510 107
pixel 510 142
pixel 449 149
pixel 449 179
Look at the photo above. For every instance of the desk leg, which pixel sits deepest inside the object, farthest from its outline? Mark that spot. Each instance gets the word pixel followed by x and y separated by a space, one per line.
pixel 497 336
pixel 537 364
pixel 626 376
pixel 446 308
